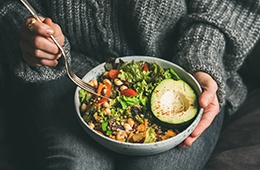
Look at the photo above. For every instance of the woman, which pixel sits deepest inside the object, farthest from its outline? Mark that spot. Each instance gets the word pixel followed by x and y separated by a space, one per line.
pixel 209 38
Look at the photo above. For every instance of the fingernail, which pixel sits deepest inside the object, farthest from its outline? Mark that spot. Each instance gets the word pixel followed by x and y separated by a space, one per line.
pixel 49 32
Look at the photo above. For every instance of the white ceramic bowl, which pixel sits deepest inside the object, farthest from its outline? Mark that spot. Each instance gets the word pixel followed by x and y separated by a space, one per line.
pixel 140 148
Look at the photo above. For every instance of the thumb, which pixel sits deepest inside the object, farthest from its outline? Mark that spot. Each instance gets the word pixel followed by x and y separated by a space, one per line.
pixel 57 32
pixel 209 87
pixel 207 97
pixel 49 22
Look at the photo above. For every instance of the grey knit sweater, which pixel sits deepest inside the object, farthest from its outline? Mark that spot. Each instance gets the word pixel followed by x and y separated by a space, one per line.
pixel 214 36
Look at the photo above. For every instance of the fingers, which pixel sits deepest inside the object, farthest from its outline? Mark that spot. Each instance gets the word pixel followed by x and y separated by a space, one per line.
pixel 209 87
pixel 39 62
pixel 207 118
pixel 37 57
pixel 209 101
pixel 39 27
pixel 37 46
pixel 30 25
pixel 32 61
pixel 210 113
pixel 207 97
pixel 57 30
pixel 35 41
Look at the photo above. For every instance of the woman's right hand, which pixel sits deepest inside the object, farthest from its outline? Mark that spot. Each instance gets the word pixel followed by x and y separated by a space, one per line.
pixel 38 49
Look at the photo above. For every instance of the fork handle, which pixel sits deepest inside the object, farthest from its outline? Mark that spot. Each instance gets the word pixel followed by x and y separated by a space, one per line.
pixel 31 9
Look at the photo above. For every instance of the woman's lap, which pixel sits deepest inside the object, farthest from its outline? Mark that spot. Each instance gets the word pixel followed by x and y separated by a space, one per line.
pixel 69 147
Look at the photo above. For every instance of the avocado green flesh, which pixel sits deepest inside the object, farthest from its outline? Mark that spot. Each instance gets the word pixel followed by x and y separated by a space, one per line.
pixel 174 102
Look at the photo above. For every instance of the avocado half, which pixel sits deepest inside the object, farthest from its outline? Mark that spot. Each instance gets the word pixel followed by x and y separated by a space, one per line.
pixel 174 102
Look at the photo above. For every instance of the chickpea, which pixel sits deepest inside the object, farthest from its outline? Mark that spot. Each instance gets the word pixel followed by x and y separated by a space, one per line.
pixel 83 107
pixel 131 122
pixel 108 81
pixel 91 125
pixel 127 127
pixel 118 82
pixel 106 105
pixel 106 74
pixel 123 87
pixel 107 111
pixel 121 135
pixel 93 83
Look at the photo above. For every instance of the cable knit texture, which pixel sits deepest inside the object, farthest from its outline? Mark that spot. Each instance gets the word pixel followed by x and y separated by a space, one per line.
pixel 213 36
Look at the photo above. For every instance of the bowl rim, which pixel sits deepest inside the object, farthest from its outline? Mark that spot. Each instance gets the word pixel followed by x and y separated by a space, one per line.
pixel 133 57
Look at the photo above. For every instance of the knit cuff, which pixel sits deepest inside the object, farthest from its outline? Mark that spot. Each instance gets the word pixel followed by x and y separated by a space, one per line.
pixel 201 49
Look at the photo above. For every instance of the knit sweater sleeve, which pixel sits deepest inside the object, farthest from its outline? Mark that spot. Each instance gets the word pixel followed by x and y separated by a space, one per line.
pixel 217 35
pixel 12 18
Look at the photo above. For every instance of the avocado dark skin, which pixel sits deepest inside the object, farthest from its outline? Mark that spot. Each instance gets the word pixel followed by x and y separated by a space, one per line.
pixel 178 127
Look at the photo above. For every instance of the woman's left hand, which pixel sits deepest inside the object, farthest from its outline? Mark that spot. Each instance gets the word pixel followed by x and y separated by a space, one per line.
pixel 38 49
pixel 209 101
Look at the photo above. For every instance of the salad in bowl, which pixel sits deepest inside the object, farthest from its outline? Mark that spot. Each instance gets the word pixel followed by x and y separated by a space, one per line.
pixel 146 101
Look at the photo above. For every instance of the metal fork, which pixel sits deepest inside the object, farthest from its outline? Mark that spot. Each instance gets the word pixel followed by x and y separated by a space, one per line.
pixel 79 82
